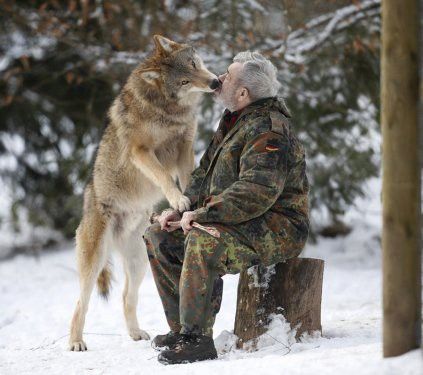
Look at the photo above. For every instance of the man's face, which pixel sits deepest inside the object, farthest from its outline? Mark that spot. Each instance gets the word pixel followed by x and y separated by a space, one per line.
pixel 229 92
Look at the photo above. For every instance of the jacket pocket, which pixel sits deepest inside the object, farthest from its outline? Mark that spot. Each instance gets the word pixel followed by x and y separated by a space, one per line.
pixel 268 160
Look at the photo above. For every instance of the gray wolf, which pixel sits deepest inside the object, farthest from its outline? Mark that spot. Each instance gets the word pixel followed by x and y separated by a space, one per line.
pixel 147 144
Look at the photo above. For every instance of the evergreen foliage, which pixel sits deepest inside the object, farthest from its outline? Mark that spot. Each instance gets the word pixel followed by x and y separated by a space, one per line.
pixel 62 63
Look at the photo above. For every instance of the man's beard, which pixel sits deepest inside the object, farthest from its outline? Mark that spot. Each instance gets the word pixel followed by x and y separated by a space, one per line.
pixel 227 99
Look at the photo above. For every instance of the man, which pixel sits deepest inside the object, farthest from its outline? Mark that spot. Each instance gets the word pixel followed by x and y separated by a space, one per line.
pixel 252 187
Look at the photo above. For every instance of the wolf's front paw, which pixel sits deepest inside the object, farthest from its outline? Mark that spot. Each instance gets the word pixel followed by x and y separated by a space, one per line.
pixel 184 204
pixel 181 203
pixel 139 334
pixel 78 346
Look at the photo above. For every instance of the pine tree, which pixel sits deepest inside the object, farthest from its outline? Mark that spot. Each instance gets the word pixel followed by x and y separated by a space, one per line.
pixel 64 62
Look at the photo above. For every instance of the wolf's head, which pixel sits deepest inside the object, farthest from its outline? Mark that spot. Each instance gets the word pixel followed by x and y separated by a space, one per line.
pixel 176 70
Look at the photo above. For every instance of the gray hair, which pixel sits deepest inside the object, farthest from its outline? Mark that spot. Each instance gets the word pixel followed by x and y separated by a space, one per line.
pixel 259 75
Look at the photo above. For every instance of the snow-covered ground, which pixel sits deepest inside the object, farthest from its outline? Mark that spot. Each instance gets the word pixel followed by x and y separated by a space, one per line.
pixel 37 298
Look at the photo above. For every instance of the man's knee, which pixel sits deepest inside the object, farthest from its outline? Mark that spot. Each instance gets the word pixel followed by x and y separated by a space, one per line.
pixel 152 231
pixel 152 238
pixel 161 244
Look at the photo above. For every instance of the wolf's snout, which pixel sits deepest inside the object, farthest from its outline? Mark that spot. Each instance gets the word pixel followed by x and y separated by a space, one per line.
pixel 215 83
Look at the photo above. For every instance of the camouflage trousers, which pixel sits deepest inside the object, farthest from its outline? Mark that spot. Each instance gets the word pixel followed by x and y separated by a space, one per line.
pixel 188 273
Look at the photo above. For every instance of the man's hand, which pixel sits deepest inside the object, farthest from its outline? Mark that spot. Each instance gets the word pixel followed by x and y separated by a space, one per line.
pixel 187 218
pixel 165 217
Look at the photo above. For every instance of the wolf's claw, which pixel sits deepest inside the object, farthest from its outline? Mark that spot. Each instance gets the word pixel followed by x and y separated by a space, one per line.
pixel 78 346
pixel 179 202
pixel 184 204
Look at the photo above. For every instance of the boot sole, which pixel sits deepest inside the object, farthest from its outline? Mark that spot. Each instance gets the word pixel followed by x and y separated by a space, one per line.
pixel 165 361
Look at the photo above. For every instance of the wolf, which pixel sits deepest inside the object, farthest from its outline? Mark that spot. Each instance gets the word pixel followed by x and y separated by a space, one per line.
pixel 147 144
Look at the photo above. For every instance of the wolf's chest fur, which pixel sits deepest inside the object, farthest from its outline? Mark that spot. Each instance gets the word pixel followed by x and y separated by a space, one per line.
pixel 136 123
pixel 171 131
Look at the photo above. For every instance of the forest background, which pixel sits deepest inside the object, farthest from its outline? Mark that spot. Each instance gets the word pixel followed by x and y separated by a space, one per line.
pixel 63 62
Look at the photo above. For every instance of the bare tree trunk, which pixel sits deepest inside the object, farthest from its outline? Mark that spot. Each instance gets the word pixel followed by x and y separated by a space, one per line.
pixel 85 5
pixel 293 289
pixel 401 237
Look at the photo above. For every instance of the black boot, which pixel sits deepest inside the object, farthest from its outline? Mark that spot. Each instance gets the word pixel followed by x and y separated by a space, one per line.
pixel 168 340
pixel 191 348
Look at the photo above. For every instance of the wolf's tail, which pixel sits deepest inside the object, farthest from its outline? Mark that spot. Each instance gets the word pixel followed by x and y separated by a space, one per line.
pixel 104 281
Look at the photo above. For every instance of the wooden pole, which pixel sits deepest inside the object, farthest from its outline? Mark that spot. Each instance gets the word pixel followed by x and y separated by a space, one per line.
pixel 401 237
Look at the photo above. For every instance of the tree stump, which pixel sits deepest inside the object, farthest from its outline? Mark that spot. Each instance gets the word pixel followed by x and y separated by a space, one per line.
pixel 293 289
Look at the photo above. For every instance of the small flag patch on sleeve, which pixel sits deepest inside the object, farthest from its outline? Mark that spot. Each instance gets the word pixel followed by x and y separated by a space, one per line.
pixel 271 148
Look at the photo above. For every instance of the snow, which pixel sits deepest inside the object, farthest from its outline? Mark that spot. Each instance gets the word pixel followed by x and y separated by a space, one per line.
pixel 17 45
pixel 305 40
pixel 38 295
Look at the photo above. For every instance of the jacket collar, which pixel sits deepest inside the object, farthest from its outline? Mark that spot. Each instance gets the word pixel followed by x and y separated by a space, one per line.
pixel 274 102
pixel 258 105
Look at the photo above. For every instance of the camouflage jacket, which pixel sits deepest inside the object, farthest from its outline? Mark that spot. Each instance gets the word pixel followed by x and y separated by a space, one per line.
pixel 253 181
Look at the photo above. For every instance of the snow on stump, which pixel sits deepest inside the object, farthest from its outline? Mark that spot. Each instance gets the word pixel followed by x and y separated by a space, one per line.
pixel 293 289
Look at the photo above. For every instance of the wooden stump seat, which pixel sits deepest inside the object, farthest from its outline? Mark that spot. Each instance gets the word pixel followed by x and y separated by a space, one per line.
pixel 293 289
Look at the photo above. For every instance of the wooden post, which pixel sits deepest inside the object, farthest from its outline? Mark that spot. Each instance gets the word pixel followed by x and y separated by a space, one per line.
pixel 401 238
pixel 293 289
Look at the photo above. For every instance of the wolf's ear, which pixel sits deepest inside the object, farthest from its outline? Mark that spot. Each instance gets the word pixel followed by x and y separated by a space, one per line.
pixel 164 45
pixel 150 75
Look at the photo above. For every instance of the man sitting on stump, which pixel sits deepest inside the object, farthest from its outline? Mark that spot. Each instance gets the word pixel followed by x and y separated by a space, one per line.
pixel 252 187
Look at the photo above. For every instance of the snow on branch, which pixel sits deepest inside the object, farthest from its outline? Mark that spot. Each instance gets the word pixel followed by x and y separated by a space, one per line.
pixel 319 30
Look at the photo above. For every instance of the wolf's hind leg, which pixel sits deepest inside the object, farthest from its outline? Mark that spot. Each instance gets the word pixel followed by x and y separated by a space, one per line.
pixel 135 263
pixel 91 257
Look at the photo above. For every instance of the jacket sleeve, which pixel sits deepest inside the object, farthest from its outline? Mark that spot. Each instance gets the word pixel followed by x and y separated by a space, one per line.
pixel 263 172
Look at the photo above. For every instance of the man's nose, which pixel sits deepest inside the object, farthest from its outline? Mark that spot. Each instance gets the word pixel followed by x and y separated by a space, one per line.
pixel 222 77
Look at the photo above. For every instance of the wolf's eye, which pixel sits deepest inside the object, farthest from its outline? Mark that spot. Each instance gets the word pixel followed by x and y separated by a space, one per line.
pixel 193 65
pixel 184 82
